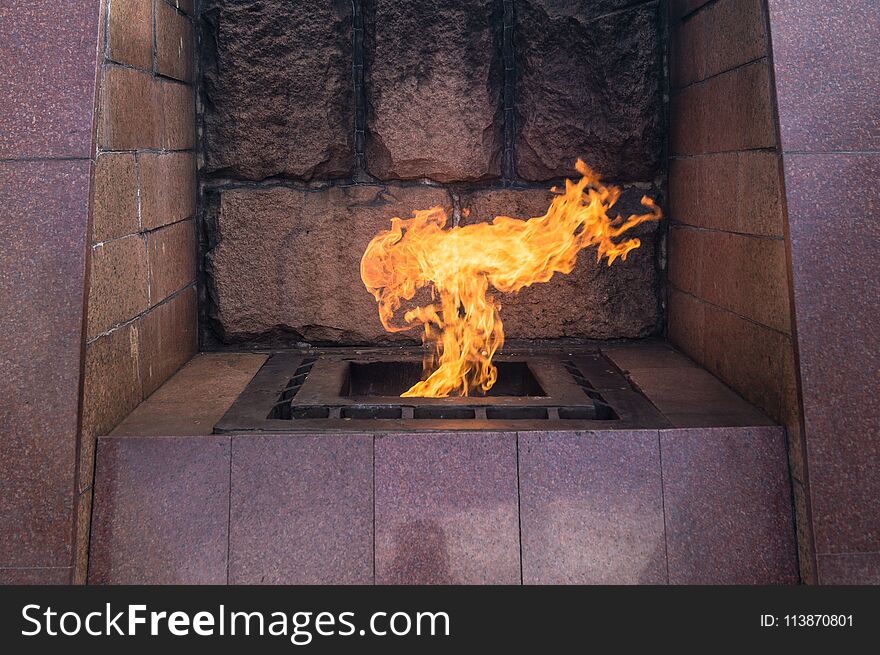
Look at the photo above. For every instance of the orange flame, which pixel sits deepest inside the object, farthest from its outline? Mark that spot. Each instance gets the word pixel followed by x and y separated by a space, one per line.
pixel 462 321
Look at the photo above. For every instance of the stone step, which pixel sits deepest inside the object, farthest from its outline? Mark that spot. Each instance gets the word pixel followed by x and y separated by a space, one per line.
pixel 680 506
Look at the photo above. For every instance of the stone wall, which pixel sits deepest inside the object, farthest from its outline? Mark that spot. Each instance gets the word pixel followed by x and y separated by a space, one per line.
pixel 827 78
pixel 323 120
pixel 47 156
pixel 727 213
pixel 141 310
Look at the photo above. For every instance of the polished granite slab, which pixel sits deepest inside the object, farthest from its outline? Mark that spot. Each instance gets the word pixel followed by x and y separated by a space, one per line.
pixel 687 503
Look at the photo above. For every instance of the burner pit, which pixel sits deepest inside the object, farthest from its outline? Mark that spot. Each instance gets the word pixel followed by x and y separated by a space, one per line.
pixel 393 378
pixel 341 390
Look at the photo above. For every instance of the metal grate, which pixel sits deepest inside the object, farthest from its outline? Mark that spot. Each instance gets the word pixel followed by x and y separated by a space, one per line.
pixel 342 390
pixel 382 379
pixel 283 408
pixel 603 409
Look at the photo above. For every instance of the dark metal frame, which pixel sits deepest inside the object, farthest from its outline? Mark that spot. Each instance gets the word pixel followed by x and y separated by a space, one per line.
pixel 302 392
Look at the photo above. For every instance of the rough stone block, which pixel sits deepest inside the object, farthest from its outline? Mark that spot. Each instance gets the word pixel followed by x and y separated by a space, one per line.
pixel 594 300
pixel 278 87
pixel 434 84
pixel 589 86
pixel 288 260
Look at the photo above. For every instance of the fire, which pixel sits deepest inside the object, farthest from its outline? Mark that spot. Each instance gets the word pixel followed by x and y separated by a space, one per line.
pixel 461 320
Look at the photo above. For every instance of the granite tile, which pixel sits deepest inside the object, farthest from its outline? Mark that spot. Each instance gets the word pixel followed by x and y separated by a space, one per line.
pixel 130 114
pixel 172 255
pixel 209 376
pixel 301 510
pixel 835 273
pixel 756 283
pixel 42 278
pixel 734 191
pixel 791 414
pixel 168 187
pixel 850 569
pixel 591 508
pixel 168 339
pixel 746 275
pixel 696 392
pixel 102 28
pixel 725 35
pixel 731 111
pixel 114 197
pixel 111 389
pixel 48 59
pixel 803 525
pixel 130 33
pixel 727 502
pixel 827 78
pixel 685 320
pixel 35 576
pixel 759 198
pixel 681 8
pixel 187 6
pixel 712 419
pixel 738 112
pixel 161 511
pixel 179 112
pixel 686 129
pixel 686 257
pixel 645 354
pixel 687 52
pixel 446 509
pixel 171 419
pixel 749 357
pixel 194 399
pixel 81 538
pixel 174 43
pixel 703 190
pixel 118 283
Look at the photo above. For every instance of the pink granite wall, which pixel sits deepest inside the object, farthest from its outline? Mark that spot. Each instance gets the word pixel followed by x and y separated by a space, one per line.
pixel 142 298
pixel 97 194
pixel 729 291
pixel 773 267
pixel 47 61
pixel 827 75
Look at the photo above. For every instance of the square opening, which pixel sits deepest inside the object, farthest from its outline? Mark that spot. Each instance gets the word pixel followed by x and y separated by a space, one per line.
pixel 393 378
